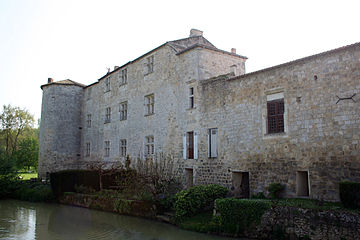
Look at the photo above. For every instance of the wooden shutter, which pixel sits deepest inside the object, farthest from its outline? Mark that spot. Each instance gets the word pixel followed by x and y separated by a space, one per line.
pixel 209 143
pixel 213 141
pixel 275 113
pixel 184 145
pixel 195 145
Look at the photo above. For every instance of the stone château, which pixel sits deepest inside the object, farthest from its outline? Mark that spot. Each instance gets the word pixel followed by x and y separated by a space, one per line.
pixel 297 123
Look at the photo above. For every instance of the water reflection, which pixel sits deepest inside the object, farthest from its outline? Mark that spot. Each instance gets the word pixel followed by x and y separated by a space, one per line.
pixel 24 220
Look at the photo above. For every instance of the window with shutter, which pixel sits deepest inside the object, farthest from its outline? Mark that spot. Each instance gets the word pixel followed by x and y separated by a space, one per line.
pixel 212 142
pixel 275 116
pixel 190 149
pixel 195 145
pixel 190 145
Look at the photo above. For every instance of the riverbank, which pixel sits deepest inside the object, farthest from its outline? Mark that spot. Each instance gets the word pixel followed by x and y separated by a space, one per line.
pixel 52 221
pixel 280 221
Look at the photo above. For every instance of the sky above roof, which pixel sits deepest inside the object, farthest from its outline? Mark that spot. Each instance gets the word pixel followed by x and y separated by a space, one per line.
pixel 80 39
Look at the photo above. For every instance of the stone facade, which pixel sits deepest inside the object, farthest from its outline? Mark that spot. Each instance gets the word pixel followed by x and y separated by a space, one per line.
pixel 317 147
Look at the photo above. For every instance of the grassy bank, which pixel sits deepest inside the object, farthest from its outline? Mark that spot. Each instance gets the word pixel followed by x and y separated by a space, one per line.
pixel 27 176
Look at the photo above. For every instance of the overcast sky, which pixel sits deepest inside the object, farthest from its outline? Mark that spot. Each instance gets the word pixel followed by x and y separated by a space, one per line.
pixel 79 39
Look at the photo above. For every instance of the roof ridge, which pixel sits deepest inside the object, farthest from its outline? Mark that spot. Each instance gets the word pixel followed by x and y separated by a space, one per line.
pixel 299 60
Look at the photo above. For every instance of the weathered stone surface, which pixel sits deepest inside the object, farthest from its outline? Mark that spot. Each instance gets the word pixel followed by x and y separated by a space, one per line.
pixel 321 135
pixel 314 224
pixel 131 207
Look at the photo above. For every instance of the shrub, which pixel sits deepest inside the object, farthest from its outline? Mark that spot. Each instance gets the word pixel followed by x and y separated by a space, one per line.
pixel 196 199
pixel 33 191
pixel 275 190
pixel 166 203
pixel 259 195
pixel 350 194
pixel 236 215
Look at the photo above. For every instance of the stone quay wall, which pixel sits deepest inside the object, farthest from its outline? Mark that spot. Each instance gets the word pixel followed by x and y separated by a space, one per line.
pixel 311 224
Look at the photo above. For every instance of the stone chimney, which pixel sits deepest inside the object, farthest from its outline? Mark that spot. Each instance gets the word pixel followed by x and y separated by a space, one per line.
pixel 50 80
pixel 195 33
pixel 233 50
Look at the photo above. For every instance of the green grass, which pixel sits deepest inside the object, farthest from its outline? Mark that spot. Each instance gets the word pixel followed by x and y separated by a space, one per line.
pixel 27 176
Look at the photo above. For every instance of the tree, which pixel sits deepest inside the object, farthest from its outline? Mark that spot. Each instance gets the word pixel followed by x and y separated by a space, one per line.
pixel 26 155
pixel 104 168
pixel 13 122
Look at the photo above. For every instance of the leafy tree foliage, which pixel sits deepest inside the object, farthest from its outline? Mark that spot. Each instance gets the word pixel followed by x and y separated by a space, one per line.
pixel 13 122
pixel 19 142
pixel 26 155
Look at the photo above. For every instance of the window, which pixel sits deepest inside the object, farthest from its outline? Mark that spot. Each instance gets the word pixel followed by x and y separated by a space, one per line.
pixel 191 98
pixel 89 94
pixel 107 148
pixel 87 154
pixel 212 142
pixel 149 104
pixel 149 146
pixel 275 116
pixel 123 147
pixel 107 84
pixel 123 111
pixel 149 65
pixel 189 177
pixel 302 183
pixel 190 145
pixel 108 115
pixel 240 184
pixel 190 149
pixel 123 76
pixel 88 120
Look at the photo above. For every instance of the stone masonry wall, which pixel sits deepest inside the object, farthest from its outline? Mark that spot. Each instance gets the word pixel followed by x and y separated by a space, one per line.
pixel 308 224
pixel 170 82
pixel 321 136
pixel 59 146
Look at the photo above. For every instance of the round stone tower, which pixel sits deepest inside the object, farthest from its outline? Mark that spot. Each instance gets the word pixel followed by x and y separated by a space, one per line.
pixel 60 126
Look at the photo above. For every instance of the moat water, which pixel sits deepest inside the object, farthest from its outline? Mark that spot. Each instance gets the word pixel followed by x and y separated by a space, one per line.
pixel 26 220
